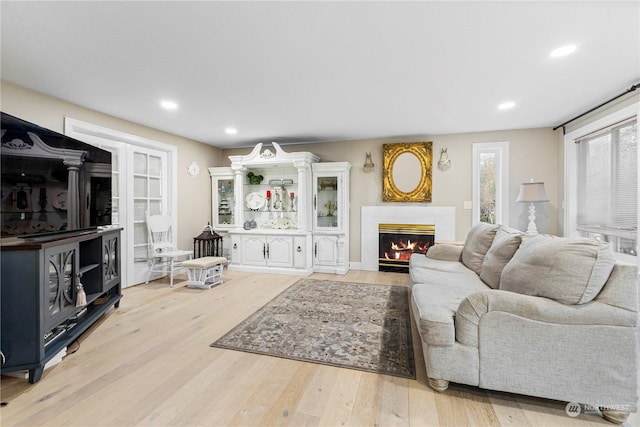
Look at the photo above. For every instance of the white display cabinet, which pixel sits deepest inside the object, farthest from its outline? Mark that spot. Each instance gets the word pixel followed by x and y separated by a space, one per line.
pixel 331 217
pixel 285 213
pixel 273 226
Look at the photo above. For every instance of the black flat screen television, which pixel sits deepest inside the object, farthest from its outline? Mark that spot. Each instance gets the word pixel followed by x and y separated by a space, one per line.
pixel 51 183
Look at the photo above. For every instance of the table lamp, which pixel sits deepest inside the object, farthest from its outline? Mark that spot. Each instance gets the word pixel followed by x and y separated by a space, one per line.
pixel 532 192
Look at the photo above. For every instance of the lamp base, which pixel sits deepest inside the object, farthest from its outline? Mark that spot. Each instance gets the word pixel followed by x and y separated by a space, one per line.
pixel 532 229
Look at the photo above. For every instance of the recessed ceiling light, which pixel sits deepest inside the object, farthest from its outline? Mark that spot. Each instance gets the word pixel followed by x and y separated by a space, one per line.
pixel 231 131
pixel 506 105
pixel 563 51
pixel 169 105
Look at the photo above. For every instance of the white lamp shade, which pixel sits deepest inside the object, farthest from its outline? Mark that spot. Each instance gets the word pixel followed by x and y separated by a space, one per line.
pixel 532 192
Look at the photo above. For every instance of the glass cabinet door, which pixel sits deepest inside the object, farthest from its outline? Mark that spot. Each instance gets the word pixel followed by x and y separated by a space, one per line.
pixel 326 203
pixel 225 199
pixel 62 272
pixel 110 261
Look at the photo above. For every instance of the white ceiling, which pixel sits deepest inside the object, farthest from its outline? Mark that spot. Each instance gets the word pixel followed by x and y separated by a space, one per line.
pixel 324 71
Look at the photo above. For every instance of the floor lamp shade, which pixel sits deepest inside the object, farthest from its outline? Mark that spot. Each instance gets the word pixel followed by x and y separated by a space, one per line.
pixel 532 192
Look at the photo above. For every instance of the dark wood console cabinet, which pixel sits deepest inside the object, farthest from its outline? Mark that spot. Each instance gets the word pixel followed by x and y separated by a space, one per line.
pixel 38 291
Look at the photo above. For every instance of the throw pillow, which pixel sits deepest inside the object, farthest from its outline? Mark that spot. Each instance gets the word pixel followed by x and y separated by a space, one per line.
pixel 567 270
pixel 444 252
pixel 477 244
pixel 505 244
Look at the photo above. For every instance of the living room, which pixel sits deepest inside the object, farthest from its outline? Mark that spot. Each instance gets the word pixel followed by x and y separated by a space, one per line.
pixel 536 151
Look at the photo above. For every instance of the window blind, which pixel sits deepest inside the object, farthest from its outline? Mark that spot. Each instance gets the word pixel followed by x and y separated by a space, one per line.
pixel 608 184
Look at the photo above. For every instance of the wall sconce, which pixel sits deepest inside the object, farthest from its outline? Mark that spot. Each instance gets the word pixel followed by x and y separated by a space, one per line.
pixel 444 163
pixel 532 192
pixel 368 164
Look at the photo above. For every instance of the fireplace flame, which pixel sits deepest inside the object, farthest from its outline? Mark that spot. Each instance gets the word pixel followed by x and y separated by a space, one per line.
pixel 402 246
pixel 404 250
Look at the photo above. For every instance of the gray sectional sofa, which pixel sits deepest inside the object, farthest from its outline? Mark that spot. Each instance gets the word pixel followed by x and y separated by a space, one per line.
pixel 537 315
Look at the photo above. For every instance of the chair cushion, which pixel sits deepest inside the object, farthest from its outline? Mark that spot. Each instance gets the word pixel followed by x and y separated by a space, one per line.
pixel 204 262
pixel 504 245
pixel 568 270
pixel 477 244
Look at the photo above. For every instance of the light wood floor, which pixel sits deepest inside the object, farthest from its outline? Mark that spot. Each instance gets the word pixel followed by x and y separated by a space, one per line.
pixel 149 363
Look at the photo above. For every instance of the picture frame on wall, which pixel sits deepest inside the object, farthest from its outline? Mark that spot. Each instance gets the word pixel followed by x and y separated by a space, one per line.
pixel 407 172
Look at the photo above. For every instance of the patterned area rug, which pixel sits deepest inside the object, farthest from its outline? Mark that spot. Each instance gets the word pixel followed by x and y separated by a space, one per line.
pixel 351 325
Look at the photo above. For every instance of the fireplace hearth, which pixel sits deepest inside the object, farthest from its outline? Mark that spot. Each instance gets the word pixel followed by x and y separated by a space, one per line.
pixel 397 242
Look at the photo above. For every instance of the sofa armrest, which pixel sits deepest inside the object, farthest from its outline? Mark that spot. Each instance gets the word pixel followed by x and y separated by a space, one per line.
pixel 472 308
pixel 445 252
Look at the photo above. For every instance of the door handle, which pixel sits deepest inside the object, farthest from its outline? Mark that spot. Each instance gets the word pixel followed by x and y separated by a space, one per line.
pixel 315 250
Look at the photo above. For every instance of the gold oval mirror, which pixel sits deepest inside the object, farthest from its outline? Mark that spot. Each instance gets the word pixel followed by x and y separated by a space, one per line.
pixel 406 174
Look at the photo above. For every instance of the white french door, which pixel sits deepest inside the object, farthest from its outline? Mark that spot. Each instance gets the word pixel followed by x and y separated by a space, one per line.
pixel 143 181
pixel 148 186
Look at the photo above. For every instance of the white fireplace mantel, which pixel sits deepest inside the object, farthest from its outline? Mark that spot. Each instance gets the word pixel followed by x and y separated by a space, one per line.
pixel 444 218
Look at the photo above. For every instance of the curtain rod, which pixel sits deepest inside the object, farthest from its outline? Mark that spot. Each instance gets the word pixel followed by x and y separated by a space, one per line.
pixel 631 89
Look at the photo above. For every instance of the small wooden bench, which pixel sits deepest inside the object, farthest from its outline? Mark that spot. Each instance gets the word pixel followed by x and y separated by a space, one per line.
pixel 205 272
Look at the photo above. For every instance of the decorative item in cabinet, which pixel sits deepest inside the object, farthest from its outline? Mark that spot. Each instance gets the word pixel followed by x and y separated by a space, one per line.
pixel 224 208
pixel 281 196
pixel 254 179
pixel 331 207
pixel 255 200
pixel 330 183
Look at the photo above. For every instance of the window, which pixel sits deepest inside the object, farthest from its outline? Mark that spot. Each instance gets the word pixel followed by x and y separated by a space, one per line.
pixel 491 182
pixel 607 185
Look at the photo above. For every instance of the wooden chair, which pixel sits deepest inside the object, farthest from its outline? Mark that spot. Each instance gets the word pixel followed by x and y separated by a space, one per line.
pixel 164 257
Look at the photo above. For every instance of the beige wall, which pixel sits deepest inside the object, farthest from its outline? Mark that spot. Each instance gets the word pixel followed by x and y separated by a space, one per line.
pixel 194 194
pixel 533 154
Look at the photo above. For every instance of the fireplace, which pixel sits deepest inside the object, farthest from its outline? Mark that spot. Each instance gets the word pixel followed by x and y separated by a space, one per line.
pixel 397 242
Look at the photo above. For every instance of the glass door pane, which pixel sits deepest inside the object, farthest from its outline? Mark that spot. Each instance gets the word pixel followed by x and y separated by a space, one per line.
pixel 488 188
pixel 326 202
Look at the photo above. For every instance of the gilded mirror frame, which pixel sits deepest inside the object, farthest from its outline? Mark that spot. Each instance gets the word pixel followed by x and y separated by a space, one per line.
pixel 422 192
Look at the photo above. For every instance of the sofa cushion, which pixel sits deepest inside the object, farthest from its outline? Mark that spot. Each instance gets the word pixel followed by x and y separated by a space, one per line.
pixel 568 270
pixel 445 252
pixel 435 271
pixel 504 245
pixel 477 244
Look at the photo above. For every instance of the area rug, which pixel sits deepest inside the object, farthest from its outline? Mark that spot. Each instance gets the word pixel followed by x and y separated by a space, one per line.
pixel 351 325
